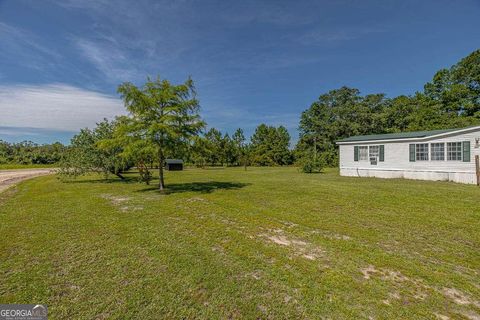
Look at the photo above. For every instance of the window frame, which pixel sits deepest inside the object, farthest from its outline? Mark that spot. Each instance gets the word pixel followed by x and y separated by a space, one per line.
pixel 360 153
pixel 377 155
pixel 435 153
pixel 422 155
pixel 457 152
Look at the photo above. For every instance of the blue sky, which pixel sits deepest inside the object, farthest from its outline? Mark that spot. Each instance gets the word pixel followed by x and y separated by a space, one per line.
pixel 252 61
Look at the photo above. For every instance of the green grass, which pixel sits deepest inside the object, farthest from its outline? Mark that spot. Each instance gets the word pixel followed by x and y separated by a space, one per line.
pixel 6 166
pixel 225 243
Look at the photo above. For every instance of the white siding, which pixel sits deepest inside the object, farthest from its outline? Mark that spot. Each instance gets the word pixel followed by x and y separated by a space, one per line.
pixel 397 161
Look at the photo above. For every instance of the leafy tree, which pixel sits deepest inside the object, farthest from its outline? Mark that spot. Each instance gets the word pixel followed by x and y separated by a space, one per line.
pixel 281 154
pixel 337 114
pixel 134 149
pixel 309 161
pixel 163 115
pixel 200 151
pixel 214 146
pixel 270 146
pixel 261 142
pixel 241 148
pixel 238 138
pixel 86 155
pixel 310 164
pixel 450 100
pixel 421 112
pixel 229 151
pixel 400 113
pixel 457 89
pixel 28 152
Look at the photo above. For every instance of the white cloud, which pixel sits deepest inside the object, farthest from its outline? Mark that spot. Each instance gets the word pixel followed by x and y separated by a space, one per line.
pixel 55 107
pixel 25 39
pixel 108 59
pixel 21 45
pixel 128 40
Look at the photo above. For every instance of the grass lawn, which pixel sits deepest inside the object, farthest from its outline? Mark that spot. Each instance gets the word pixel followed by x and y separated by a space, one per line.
pixel 225 243
pixel 6 166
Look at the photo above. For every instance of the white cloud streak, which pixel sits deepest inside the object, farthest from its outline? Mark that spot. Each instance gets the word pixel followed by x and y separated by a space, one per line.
pixel 55 107
pixel 18 44
pixel 25 38
pixel 108 59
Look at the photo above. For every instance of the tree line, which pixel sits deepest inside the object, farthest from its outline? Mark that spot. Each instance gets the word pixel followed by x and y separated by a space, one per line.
pixel 111 148
pixel 450 100
pixel 268 146
pixel 163 122
pixel 28 152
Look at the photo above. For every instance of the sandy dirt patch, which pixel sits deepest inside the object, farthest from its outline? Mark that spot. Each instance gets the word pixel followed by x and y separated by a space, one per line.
pixel 368 271
pixel 385 274
pixel 196 199
pixel 116 200
pixel 122 203
pixel 299 247
pixel 441 316
pixel 471 315
pixel 459 297
pixel 331 235
pixel 419 290
pixel 9 178
pixel 282 240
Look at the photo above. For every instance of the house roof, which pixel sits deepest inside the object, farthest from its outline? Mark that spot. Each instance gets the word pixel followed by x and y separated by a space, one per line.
pixel 401 135
pixel 173 161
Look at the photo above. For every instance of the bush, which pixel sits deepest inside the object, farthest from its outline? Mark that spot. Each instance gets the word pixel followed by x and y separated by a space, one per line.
pixel 310 165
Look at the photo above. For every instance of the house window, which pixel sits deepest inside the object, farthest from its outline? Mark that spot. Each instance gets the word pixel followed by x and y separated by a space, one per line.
pixel 421 152
pixel 373 151
pixel 363 153
pixel 437 151
pixel 454 151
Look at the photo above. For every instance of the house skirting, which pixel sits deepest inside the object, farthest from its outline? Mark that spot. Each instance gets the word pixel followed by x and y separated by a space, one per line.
pixel 440 175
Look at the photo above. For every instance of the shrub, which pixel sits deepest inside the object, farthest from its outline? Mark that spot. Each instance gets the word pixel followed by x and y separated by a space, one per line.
pixel 310 165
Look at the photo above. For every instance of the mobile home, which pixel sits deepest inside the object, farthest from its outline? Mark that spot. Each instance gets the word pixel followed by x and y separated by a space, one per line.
pixel 449 155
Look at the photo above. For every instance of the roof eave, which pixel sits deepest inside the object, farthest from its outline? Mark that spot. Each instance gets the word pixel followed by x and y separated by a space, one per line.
pixel 438 135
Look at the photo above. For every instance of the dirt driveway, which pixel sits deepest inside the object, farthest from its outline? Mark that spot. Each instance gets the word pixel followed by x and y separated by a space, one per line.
pixel 11 177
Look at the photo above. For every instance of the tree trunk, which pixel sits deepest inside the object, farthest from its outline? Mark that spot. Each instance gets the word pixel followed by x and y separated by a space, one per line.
pixel 161 183
pixel 117 173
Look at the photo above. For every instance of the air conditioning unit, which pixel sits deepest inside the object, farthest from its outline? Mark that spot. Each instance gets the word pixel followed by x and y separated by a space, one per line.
pixel 373 160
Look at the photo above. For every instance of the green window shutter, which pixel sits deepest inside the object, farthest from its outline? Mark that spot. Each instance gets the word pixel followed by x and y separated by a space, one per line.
pixel 381 156
pixel 355 153
pixel 466 151
pixel 412 152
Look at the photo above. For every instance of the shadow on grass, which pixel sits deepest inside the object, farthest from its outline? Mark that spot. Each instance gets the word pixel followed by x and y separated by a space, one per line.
pixel 202 187
pixel 102 180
